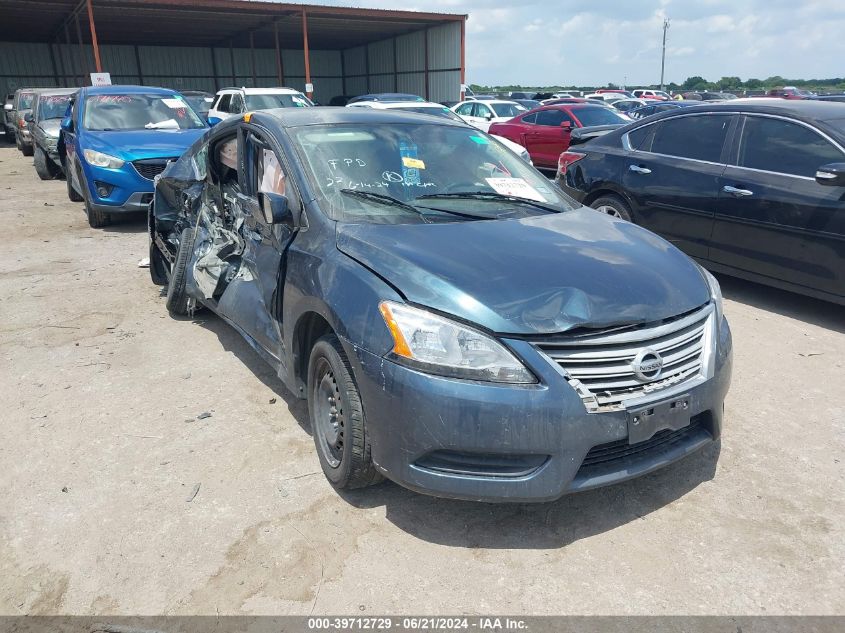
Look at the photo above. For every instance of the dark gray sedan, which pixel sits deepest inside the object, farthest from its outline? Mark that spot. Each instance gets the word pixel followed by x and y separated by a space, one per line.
pixel 44 124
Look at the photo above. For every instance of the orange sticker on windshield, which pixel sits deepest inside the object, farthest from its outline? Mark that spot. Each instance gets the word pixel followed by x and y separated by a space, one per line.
pixel 412 163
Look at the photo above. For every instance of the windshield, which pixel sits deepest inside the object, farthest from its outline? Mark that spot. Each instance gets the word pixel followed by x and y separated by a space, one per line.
pixel 660 93
pixel 25 100
pixel 592 115
pixel 509 110
pixel 270 101
pixel 446 113
pixel 52 106
pixel 137 112
pixel 411 173
pixel 200 103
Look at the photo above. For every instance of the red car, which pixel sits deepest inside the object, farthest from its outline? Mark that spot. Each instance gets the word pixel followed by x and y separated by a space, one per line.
pixel 545 132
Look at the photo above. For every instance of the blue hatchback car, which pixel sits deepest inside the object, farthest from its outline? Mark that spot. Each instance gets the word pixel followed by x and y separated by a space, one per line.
pixel 116 139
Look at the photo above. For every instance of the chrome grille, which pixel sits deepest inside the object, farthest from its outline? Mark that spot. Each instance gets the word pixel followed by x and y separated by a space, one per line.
pixel 601 367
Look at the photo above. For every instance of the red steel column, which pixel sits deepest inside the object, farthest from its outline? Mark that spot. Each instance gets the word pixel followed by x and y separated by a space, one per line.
pixel 307 54
pixel 94 38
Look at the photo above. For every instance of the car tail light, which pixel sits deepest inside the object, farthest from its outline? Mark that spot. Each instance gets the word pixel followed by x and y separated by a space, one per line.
pixel 566 159
pixel 21 123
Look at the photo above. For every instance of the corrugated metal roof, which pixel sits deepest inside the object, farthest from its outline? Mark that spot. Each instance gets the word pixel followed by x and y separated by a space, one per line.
pixel 211 22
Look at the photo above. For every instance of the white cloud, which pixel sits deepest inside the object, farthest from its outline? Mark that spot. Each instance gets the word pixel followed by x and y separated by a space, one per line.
pixel 538 42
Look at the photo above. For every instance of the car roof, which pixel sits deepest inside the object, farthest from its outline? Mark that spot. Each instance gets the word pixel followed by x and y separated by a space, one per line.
pixel 260 91
pixel 490 101
pixel 57 91
pixel 396 105
pixel 301 117
pixel 807 109
pixel 124 90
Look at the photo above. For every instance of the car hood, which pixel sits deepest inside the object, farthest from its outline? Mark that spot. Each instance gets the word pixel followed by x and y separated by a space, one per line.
pixel 51 127
pixel 538 275
pixel 140 144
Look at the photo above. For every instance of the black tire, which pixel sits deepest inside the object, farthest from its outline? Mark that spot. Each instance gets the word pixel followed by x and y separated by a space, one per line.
pixel 96 219
pixel 337 418
pixel 18 143
pixel 72 194
pixel 613 206
pixel 43 165
pixel 177 298
pixel 26 150
pixel 159 266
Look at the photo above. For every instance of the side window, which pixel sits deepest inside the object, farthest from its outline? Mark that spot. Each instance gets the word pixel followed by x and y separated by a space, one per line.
pixel 223 162
pixel 530 118
pixel 465 110
pixel 265 173
pixel 480 110
pixel 784 147
pixel 552 118
pixel 237 105
pixel 698 137
pixel 637 138
pixel 223 104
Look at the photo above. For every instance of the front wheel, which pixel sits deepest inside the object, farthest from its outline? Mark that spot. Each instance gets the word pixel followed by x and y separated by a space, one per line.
pixel 178 301
pixel 337 418
pixel 72 194
pixel 43 165
pixel 613 206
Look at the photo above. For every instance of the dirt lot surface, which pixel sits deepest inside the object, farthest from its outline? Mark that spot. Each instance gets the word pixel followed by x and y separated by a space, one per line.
pixel 102 450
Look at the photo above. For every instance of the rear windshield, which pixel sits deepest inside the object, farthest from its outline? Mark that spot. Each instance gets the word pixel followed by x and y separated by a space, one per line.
pixel 52 106
pixel 139 112
pixel 600 115
pixel 270 101
pixel 508 109
pixel 446 113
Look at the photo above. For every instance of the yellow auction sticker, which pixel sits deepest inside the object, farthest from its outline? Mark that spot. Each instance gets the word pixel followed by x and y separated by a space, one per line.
pixel 413 163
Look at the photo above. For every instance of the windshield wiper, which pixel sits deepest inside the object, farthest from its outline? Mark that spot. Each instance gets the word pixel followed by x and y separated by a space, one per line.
pixel 489 195
pixel 396 202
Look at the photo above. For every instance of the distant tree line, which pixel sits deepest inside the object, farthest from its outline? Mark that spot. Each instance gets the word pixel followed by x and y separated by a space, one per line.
pixel 696 83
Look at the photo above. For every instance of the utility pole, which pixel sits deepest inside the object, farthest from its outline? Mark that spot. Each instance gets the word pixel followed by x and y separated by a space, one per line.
pixel 663 58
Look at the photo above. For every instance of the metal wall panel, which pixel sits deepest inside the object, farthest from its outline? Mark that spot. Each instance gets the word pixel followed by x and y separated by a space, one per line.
pixel 294 62
pixel 410 51
pixel 413 83
pixel 381 57
pixel 444 85
pixel 120 60
pixel 444 47
pixel 356 86
pixel 382 83
pixel 355 61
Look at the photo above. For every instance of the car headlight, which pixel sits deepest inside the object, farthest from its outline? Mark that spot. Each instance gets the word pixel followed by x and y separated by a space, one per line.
pixel 98 159
pixel 715 294
pixel 437 345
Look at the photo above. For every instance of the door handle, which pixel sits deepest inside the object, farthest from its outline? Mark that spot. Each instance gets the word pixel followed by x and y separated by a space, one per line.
pixel 637 169
pixel 735 191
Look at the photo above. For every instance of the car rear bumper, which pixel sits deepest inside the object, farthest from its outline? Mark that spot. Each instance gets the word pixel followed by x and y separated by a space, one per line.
pixel 487 442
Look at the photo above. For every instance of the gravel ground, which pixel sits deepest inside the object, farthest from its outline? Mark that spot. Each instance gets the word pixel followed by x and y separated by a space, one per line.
pixel 119 496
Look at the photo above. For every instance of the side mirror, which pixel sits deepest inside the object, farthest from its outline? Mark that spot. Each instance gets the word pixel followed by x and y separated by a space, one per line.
pixel 831 175
pixel 489 116
pixel 276 209
pixel 67 124
pixel 8 107
pixel 28 117
pixel 213 120
pixel 566 125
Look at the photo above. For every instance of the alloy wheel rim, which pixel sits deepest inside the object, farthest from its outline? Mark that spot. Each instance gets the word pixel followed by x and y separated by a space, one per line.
pixel 609 210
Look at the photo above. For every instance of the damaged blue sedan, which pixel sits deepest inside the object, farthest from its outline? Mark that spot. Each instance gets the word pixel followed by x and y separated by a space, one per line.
pixel 456 323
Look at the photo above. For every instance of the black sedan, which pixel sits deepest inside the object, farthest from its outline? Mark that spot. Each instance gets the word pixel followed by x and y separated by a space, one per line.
pixel 754 189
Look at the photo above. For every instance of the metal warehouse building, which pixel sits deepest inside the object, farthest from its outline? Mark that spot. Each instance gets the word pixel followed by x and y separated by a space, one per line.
pixel 211 44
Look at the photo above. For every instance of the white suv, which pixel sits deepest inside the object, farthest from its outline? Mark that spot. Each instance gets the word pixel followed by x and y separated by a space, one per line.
pixel 233 101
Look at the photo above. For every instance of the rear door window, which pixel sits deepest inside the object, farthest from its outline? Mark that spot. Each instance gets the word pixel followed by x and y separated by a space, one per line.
pixel 784 147
pixel 237 105
pixel 552 118
pixel 465 109
pixel 699 137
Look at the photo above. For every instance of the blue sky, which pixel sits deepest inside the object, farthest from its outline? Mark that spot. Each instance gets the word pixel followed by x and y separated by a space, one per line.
pixel 593 42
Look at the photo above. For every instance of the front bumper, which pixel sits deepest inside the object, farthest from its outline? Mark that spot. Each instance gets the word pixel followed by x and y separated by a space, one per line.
pixel 129 192
pixel 524 443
